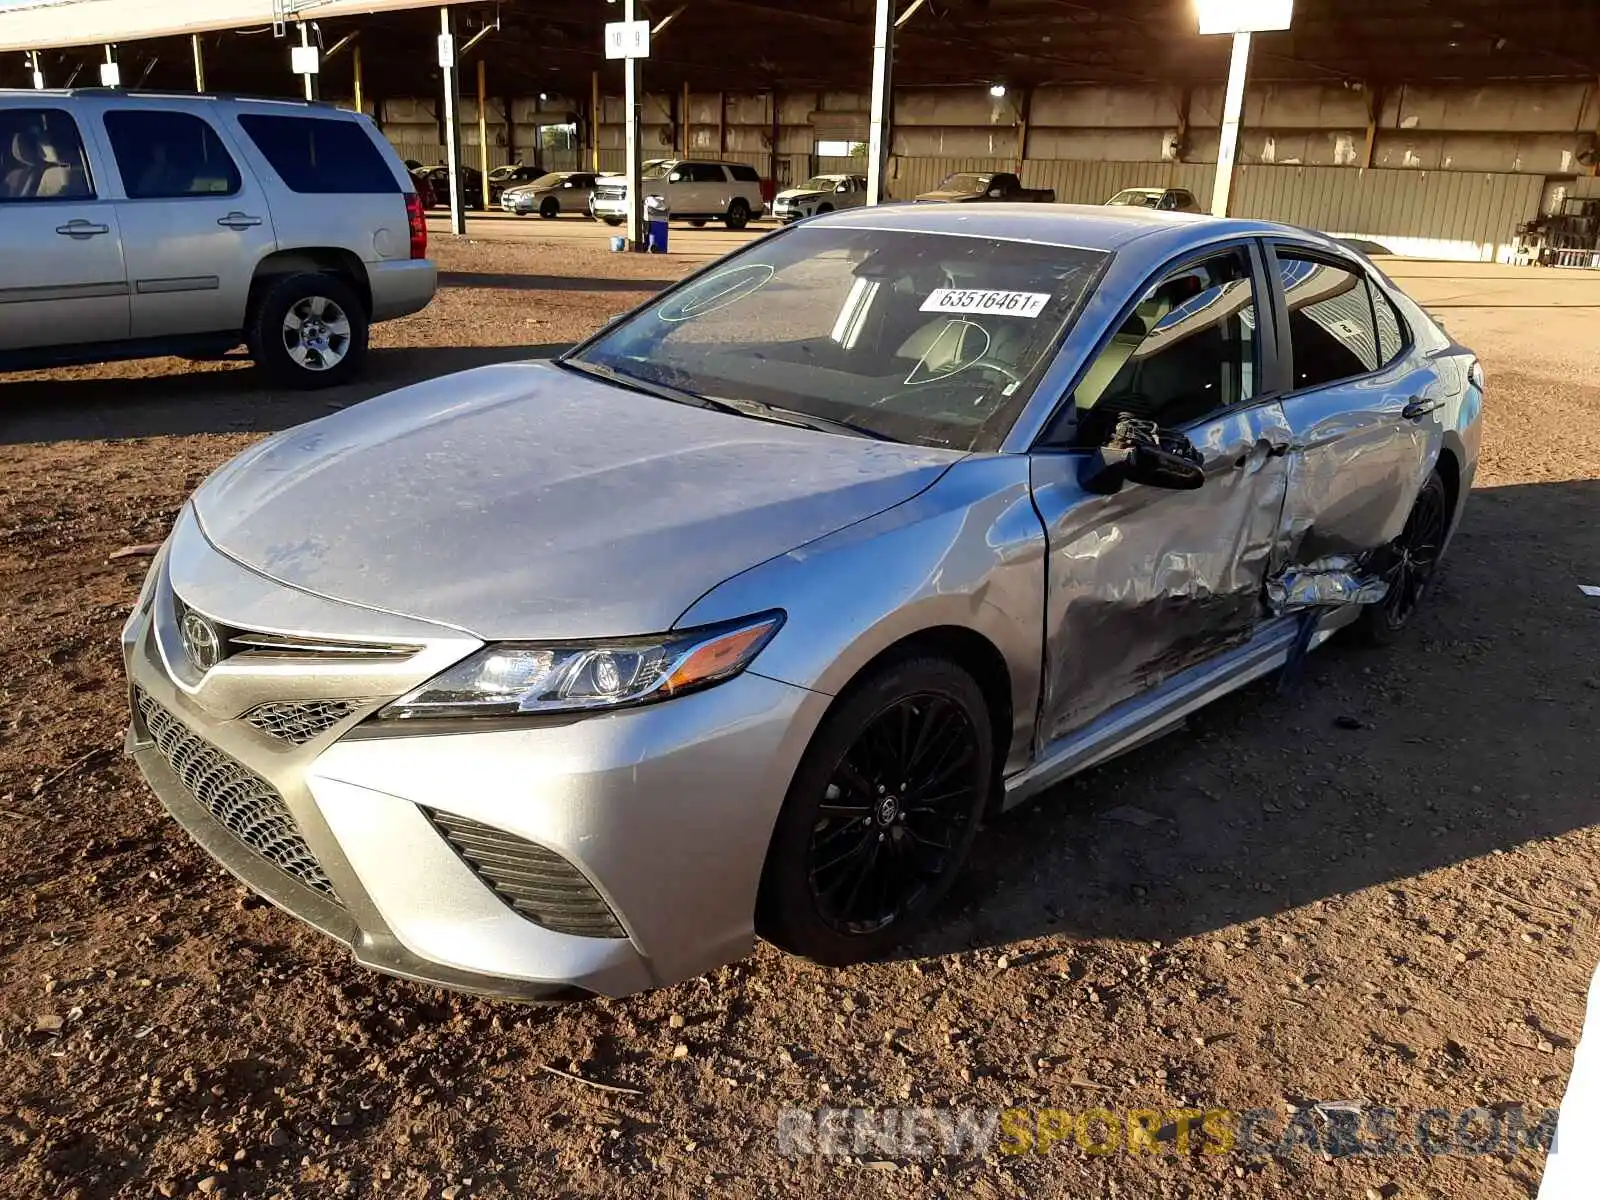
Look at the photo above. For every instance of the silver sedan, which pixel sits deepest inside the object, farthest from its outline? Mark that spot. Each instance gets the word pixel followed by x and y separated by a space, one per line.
pixel 574 676
pixel 550 195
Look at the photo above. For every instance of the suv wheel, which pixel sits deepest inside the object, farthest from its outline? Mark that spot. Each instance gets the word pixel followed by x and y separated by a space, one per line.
pixel 880 815
pixel 309 330
pixel 738 215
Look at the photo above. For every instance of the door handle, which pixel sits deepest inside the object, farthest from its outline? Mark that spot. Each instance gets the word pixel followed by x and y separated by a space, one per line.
pixel 81 229
pixel 238 220
pixel 1417 407
pixel 1268 449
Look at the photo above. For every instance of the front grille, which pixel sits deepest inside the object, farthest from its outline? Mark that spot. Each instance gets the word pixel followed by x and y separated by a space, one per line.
pixel 609 193
pixel 247 805
pixel 297 722
pixel 537 883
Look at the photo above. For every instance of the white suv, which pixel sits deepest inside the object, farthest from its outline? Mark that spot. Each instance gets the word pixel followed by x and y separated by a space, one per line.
pixel 695 191
pixel 145 224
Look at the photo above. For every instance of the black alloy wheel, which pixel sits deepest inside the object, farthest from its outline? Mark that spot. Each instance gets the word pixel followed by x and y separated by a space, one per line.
pixel 1408 563
pixel 880 815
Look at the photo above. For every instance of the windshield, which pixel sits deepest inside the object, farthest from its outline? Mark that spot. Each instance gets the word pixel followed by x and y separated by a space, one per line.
pixel 548 181
pixel 820 183
pixel 936 339
pixel 1136 198
pixel 654 171
pixel 965 182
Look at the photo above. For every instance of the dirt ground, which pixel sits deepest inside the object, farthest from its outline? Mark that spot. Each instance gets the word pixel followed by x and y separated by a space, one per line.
pixel 1380 887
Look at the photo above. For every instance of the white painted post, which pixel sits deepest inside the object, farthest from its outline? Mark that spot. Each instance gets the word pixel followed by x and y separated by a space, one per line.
pixel 450 77
pixel 882 114
pixel 36 70
pixel 1232 111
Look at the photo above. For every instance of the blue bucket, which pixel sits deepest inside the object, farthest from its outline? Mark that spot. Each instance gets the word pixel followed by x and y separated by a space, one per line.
pixel 618 244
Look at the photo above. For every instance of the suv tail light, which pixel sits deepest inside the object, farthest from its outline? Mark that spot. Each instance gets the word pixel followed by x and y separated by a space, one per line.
pixel 418 222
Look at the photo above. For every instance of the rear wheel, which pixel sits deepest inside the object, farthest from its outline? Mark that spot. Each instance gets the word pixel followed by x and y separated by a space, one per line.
pixel 880 815
pixel 1408 563
pixel 550 208
pixel 308 330
pixel 612 221
pixel 697 222
pixel 738 215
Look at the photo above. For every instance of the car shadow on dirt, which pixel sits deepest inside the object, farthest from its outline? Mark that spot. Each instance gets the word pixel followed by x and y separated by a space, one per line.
pixel 549 283
pixel 1471 737
pixel 216 399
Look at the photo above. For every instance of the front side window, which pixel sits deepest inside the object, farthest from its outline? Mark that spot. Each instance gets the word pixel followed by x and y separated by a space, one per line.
pixel 320 155
pixel 1187 349
pixel 1331 331
pixel 41 156
pixel 917 337
pixel 167 155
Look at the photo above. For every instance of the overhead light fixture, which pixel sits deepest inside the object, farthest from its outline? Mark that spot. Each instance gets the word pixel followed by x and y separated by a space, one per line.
pixel 997 90
pixel 1243 16
pixel 544 96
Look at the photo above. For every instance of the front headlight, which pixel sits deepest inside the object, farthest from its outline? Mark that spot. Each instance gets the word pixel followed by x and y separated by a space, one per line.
pixel 509 679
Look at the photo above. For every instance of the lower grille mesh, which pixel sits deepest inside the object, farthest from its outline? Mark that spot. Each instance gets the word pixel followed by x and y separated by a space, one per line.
pixel 249 806
pixel 298 722
pixel 538 883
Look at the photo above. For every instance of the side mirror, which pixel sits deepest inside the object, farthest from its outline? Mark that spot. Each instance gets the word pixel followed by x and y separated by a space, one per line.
pixel 1156 467
pixel 842 188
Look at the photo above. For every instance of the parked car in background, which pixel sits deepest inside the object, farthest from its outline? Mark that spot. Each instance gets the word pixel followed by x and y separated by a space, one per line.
pixel 820 194
pixel 696 191
pixel 438 177
pixel 1161 199
pixel 509 176
pixel 135 225
pixel 970 187
pixel 936 508
pixel 551 195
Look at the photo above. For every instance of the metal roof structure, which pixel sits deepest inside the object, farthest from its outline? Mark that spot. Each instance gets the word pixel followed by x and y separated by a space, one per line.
pixel 555 45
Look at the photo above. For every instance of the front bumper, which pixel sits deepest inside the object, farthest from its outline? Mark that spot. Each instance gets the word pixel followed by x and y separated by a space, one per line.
pixel 665 810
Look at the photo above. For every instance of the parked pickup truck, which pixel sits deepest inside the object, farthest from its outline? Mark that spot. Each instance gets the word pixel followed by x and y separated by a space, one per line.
pixel 966 187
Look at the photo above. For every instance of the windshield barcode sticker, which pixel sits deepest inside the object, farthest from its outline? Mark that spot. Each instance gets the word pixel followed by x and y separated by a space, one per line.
pixel 968 300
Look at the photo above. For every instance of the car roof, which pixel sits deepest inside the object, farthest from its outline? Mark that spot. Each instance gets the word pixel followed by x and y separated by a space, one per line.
pixel 160 96
pixel 1081 226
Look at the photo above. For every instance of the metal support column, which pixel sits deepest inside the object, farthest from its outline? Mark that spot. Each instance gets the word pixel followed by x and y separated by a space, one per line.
pixel 1232 112
pixel 355 76
pixel 595 114
pixel 882 100
pixel 198 49
pixel 683 120
pixel 310 79
pixel 36 70
pixel 449 77
pixel 633 115
pixel 483 131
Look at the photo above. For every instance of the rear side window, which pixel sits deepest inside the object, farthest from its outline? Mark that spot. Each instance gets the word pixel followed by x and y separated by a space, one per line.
pixel 320 156
pixel 1391 334
pixel 1331 328
pixel 704 173
pixel 744 174
pixel 167 155
pixel 41 156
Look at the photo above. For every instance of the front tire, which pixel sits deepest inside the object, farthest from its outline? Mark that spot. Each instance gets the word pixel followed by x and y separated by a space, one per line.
pixel 738 215
pixel 880 815
pixel 308 331
pixel 1408 565
pixel 612 221
pixel 550 209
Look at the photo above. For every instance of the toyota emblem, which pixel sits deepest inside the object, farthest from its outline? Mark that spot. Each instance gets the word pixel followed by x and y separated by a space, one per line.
pixel 200 642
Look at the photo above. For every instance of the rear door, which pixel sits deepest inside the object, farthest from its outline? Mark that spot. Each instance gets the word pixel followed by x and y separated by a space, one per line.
pixel 1362 409
pixel 328 182
pixel 194 224
pixel 61 274
pixel 1147 582
pixel 712 192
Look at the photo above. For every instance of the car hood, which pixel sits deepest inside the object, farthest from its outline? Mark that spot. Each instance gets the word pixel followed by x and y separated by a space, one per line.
pixel 522 501
pixel 799 194
pixel 951 197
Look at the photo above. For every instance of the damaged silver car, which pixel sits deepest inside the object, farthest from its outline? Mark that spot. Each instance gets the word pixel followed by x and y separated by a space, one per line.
pixel 739 617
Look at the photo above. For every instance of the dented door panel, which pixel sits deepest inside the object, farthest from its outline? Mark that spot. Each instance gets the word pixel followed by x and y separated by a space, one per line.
pixel 1357 462
pixel 1144 583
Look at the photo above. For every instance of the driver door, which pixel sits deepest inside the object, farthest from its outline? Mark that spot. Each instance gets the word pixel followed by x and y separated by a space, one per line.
pixel 1147 582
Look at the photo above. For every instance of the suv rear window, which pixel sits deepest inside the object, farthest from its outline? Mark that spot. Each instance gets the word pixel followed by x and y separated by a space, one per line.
pixel 320 155
pixel 743 173
pixel 165 155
